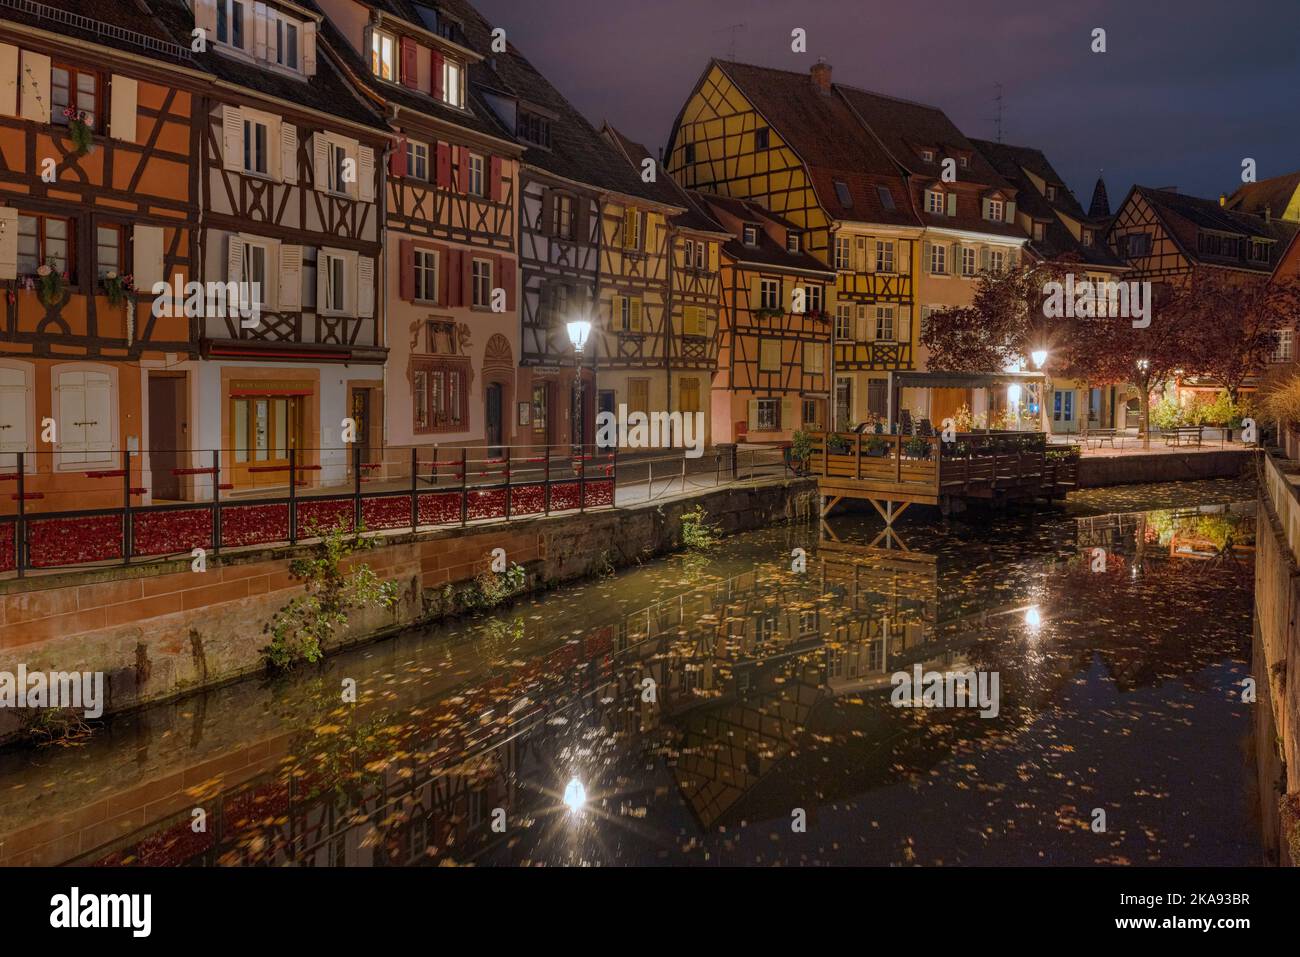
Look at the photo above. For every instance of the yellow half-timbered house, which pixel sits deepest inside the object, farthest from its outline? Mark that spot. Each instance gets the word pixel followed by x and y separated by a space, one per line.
pixel 790 142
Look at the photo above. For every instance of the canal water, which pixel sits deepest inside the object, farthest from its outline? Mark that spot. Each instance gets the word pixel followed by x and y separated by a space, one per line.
pixel 735 707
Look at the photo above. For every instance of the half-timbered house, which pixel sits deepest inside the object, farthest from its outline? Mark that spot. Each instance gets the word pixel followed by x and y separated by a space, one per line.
pixel 691 332
pixel 968 210
pixel 291 215
pixel 1060 231
pixel 1165 236
pixel 452 201
pixel 99 189
pixel 790 142
pixel 773 372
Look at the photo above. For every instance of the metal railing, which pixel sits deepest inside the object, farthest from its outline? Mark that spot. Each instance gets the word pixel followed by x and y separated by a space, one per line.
pixel 98 27
pixel 103 512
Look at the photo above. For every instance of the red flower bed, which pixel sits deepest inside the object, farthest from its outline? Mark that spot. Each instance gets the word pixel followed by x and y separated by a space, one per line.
pixel 71 541
pixel 165 533
pixel 322 514
pixel 254 524
pixel 488 503
pixel 439 508
pixel 8 557
pixel 391 511
pixel 564 495
pixel 527 499
pixel 600 493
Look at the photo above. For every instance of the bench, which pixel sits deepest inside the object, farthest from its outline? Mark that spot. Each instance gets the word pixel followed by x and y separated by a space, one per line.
pixel 1098 436
pixel 1183 435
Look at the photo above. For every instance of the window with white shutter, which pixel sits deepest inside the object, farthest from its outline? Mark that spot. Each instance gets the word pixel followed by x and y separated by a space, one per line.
pixel 85 419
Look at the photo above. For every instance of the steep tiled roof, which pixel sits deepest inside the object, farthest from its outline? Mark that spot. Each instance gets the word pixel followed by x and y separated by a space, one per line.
pixel 577 151
pixel 768 252
pixel 478 117
pixel 1011 162
pixel 665 187
pixel 1184 215
pixel 328 91
pixel 1274 194
pixel 904 127
pixel 120 24
pixel 830 140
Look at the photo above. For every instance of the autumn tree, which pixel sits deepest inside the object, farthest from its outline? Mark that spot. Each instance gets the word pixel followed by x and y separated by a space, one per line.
pixel 1003 324
pixel 1236 318
pixel 1116 349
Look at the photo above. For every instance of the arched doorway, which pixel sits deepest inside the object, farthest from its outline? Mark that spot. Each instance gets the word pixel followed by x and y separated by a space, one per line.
pixel 498 376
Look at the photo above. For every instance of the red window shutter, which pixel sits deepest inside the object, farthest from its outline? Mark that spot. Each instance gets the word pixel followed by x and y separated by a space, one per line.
pixel 444 274
pixel 466 278
pixel 410 67
pixel 462 169
pixel 494 179
pixel 406 269
pixel 506 270
pixel 397 161
pixel 454 292
pixel 444 166
pixel 435 74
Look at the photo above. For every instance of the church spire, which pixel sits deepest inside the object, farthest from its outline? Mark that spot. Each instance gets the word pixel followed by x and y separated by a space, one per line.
pixel 1100 206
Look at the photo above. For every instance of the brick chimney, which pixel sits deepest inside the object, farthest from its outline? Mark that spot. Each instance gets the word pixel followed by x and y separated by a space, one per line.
pixel 821 76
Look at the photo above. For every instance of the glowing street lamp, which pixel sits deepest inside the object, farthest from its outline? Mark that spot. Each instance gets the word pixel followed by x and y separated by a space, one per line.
pixel 1033 619
pixel 575 795
pixel 1039 356
pixel 579 330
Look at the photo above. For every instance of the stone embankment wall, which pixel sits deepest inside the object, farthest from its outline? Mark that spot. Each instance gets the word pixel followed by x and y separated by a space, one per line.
pixel 1276 665
pixel 161 629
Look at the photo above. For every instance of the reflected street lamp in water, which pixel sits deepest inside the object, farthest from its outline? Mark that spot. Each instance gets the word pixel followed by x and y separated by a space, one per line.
pixel 575 795
pixel 579 330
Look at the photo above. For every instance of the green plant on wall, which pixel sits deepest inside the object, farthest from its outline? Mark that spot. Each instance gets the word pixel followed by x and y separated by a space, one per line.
pixel 300 629
pixel 698 534
pixel 801 446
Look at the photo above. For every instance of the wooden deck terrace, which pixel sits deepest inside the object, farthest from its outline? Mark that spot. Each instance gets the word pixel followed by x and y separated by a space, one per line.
pixel 895 471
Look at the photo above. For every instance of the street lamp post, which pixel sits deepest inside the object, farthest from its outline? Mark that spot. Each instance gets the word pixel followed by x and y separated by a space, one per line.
pixel 578 331
pixel 1144 401
pixel 1040 356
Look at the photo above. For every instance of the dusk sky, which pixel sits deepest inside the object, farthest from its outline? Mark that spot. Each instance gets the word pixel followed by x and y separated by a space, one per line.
pixel 1184 92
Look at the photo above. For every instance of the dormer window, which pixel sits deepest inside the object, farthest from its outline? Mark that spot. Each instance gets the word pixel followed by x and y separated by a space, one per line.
pixel 792 242
pixel 886 197
pixel 996 210
pixel 935 202
pixel 963 162
pixel 383 55
pixel 263 33
pixel 843 195
pixel 1259 250
pixel 927 156
pixel 751 235
pixel 534 129
pixel 230 23
pixel 285 34
pixel 452 94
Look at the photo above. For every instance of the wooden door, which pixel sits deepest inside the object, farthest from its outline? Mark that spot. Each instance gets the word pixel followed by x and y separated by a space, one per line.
pixel 168 433
pixel 361 416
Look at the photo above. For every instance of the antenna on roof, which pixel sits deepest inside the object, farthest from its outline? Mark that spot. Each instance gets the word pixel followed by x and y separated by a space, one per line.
pixel 997 120
pixel 731 46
